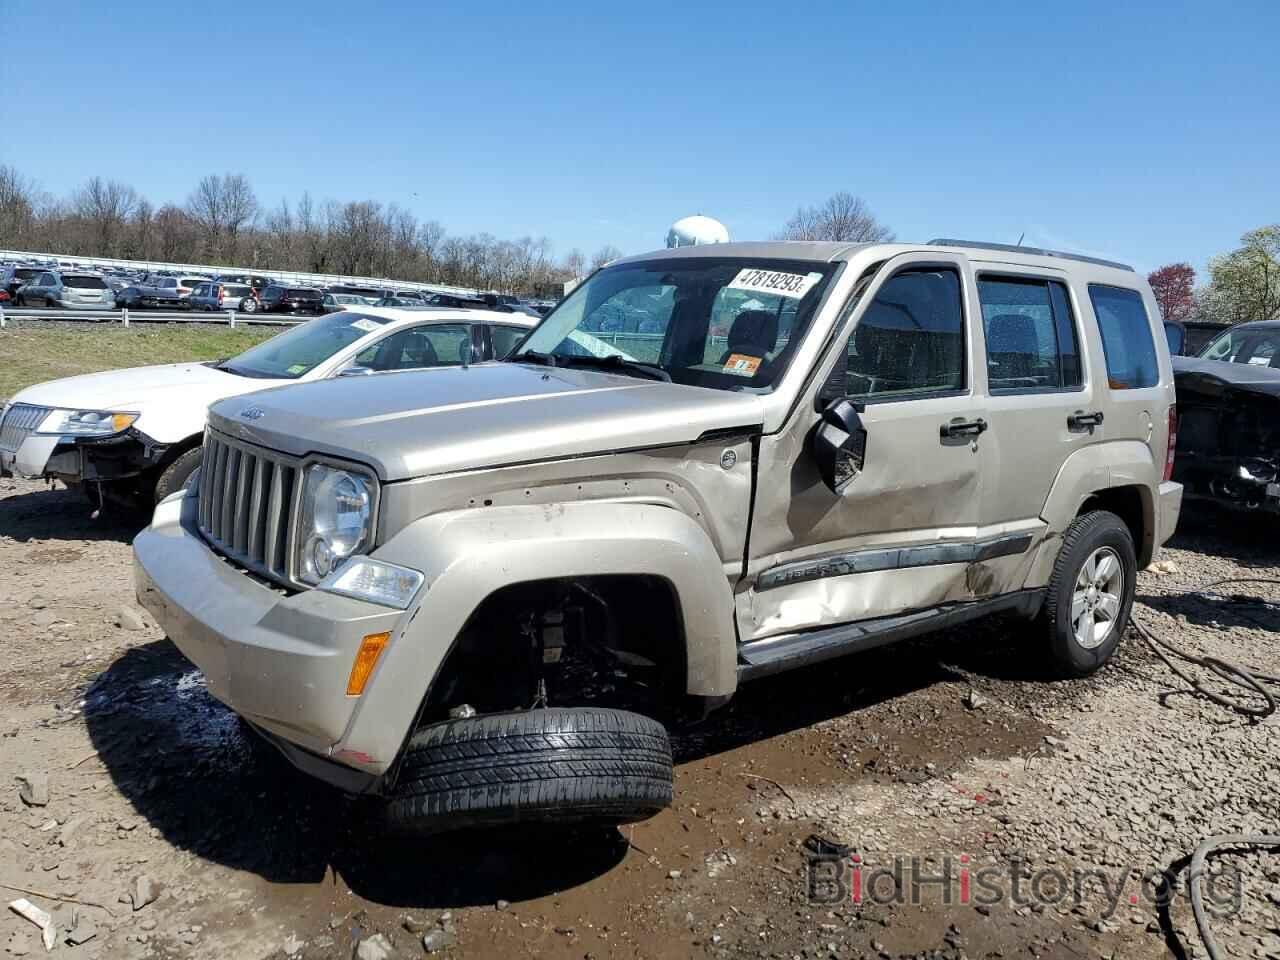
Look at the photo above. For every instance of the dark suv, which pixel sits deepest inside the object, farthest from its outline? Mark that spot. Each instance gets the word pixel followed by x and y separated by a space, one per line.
pixel 280 299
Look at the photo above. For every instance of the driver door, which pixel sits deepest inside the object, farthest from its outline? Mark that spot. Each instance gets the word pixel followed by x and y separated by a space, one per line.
pixel 901 535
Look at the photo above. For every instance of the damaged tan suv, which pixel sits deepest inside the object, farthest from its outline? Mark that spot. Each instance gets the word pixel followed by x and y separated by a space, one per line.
pixel 705 466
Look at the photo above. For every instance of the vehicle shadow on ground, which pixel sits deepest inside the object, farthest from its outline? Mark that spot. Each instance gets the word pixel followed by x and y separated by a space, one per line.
pixel 212 787
pixel 1222 608
pixel 1247 538
pixel 1002 649
pixel 61 514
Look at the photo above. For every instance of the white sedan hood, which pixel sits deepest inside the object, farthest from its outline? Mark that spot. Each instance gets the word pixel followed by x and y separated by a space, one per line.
pixel 171 399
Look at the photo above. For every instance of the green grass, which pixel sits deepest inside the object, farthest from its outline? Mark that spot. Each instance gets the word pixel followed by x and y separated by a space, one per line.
pixel 34 351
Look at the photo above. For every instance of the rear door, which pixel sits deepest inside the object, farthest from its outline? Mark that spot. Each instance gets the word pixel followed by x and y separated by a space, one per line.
pixel 901 535
pixel 1043 406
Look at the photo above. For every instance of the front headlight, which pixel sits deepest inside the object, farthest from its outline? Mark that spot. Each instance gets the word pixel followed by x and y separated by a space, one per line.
pixel 337 519
pixel 87 423
pixel 375 581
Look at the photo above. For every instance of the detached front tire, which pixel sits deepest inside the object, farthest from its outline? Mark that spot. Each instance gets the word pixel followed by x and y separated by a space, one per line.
pixel 1090 593
pixel 559 765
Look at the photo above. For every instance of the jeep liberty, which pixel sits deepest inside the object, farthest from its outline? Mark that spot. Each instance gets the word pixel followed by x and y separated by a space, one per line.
pixel 705 466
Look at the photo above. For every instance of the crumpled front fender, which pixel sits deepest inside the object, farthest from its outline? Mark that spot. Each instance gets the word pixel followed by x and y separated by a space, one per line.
pixel 467 555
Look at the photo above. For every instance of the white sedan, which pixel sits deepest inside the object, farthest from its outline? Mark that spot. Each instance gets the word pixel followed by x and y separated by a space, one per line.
pixel 136 433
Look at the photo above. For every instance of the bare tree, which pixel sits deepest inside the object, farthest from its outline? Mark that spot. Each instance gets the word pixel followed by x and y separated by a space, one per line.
pixel 104 206
pixel 575 263
pixel 842 217
pixel 604 255
pixel 239 208
pixel 221 206
pixel 19 198
pixel 220 222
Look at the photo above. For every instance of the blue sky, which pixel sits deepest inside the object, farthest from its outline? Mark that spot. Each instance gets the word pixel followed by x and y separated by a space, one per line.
pixel 1145 131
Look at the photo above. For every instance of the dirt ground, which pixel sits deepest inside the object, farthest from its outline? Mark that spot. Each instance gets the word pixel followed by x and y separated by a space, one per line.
pixel 954 750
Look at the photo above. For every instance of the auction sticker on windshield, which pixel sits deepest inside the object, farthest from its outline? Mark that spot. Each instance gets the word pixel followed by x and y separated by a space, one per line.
pixel 365 324
pixel 792 285
pixel 741 365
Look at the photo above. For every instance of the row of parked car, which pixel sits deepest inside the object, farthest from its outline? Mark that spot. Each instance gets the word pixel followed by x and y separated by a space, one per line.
pixel 34 285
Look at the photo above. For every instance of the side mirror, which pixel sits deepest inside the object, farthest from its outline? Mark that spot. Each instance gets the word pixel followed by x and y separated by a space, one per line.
pixel 355 372
pixel 839 445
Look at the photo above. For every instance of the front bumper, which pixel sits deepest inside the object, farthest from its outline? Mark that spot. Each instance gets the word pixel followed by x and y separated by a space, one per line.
pixel 80 459
pixel 31 457
pixel 280 661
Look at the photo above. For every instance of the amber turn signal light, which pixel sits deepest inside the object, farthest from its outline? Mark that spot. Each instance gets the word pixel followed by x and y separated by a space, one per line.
pixel 371 648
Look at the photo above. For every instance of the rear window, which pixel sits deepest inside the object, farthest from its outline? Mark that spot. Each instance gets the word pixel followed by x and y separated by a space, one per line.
pixel 505 339
pixel 84 283
pixel 1031 339
pixel 1126 337
pixel 302 293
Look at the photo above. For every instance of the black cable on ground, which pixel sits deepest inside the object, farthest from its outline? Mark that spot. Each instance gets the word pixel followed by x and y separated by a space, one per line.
pixel 1256 683
pixel 1195 874
pixel 1264 700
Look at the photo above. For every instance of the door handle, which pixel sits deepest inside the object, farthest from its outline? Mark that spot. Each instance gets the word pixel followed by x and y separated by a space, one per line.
pixel 962 428
pixel 1080 421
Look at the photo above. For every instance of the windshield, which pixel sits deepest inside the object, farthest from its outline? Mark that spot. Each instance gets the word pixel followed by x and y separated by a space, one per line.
pixel 299 350
pixel 725 322
pixel 1253 345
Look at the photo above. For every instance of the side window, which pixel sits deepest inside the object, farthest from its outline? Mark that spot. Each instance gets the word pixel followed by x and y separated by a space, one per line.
pixel 910 340
pixel 1126 337
pixel 438 345
pixel 505 339
pixel 1030 335
pixel 46 280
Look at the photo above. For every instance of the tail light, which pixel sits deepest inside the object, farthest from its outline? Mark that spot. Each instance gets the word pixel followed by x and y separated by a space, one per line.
pixel 1173 442
pixel 184 289
pixel 220 295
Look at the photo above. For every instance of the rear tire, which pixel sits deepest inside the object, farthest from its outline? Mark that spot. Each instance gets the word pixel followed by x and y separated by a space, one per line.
pixel 559 765
pixel 1090 593
pixel 177 474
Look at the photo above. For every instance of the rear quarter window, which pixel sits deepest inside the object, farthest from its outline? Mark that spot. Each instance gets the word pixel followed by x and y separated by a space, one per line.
pixel 1126 337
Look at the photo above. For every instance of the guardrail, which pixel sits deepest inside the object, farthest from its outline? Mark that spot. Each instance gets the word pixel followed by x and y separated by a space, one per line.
pixel 125 317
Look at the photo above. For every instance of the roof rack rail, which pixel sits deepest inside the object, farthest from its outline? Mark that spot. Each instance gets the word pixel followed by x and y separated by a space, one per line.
pixel 1034 251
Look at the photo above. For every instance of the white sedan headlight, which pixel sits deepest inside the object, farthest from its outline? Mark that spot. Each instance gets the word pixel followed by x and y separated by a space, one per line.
pixel 337 519
pixel 87 423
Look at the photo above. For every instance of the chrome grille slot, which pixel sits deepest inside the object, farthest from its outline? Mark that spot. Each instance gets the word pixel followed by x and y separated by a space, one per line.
pixel 247 504
pixel 19 423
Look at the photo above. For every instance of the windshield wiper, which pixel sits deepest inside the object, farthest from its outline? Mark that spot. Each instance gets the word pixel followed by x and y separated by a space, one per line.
pixel 620 364
pixel 533 356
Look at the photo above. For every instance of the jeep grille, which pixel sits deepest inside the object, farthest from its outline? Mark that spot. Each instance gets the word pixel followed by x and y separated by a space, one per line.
pixel 247 504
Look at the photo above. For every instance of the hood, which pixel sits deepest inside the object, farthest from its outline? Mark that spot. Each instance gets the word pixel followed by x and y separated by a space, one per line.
pixel 1214 375
pixel 142 389
pixel 408 425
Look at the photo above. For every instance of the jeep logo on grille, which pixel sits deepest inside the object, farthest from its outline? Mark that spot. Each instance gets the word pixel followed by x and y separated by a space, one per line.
pixel 252 413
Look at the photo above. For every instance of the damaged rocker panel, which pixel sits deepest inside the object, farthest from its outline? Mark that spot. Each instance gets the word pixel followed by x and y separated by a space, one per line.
pixel 893 558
